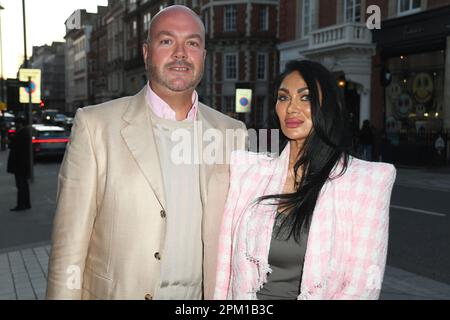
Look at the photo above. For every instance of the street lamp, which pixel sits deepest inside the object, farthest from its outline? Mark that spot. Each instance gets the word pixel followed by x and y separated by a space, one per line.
pixel 25 64
pixel 2 92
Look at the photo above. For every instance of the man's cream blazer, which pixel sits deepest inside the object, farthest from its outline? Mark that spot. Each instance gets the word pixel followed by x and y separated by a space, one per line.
pixel 109 228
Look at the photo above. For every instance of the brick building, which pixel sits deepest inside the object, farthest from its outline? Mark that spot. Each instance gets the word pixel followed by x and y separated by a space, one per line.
pixel 241 43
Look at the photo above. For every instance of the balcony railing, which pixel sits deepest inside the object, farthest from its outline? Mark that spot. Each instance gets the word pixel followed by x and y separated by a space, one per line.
pixel 344 34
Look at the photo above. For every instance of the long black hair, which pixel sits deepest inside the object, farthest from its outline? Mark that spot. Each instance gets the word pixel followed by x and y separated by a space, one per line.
pixel 328 143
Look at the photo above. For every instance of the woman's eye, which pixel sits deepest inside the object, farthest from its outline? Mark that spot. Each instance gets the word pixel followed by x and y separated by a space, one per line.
pixel 282 98
pixel 306 97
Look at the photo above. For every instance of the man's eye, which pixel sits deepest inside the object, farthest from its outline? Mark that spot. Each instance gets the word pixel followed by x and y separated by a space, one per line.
pixel 193 43
pixel 166 41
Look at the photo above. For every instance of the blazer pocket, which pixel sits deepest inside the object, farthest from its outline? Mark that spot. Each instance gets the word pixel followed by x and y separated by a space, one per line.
pixel 98 286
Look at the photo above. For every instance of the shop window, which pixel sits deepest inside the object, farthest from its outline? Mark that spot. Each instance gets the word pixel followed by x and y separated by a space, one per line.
pixel 415 97
pixel 405 7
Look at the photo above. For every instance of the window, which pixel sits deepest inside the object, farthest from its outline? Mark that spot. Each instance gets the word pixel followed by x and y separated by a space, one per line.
pixel 408 6
pixel 261 66
pixel 228 104
pixel 230 66
pixel 147 19
pixel 132 4
pixel 309 14
pixel 133 29
pixel 230 18
pixel 260 106
pixel 162 6
pixel 352 10
pixel 206 20
pixel 264 18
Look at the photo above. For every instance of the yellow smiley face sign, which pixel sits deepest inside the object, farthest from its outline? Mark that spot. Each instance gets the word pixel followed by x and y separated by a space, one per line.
pixel 423 87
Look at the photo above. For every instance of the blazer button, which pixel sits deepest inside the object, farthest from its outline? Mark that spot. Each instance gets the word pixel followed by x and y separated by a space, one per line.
pixel 148 296
pixel 163 214
pixel 157 256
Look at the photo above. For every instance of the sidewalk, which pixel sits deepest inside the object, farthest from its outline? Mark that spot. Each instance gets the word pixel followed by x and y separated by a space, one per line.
pixel 23 276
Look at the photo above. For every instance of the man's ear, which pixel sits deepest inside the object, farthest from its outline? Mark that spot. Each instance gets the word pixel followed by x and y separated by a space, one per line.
pixel 145 53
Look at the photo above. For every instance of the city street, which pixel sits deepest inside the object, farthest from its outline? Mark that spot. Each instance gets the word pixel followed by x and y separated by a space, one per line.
pixel 418 245
pixel 24 227
pixel 420 231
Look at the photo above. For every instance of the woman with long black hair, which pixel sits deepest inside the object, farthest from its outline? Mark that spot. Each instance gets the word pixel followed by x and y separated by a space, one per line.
pixel 313 222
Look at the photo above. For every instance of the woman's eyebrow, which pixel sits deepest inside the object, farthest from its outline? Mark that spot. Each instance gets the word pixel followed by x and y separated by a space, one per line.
pixel 302 89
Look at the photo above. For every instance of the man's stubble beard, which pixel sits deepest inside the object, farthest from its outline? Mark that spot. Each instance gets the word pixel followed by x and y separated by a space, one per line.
pixel 161 79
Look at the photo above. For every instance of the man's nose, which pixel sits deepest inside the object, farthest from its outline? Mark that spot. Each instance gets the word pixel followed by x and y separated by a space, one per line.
pixel 180 52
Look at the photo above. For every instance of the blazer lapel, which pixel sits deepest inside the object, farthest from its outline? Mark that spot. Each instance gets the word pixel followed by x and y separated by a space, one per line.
pixel 139 137
pixel 202 124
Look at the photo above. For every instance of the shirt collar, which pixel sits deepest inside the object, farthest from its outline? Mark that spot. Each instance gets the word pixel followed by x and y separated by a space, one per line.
pixel 164 111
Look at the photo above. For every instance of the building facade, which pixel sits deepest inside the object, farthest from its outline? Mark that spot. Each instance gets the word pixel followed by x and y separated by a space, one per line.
pixel 98 59
pixel 413 60
pixel 79 27
pixel 50 60
pixel 241 44
pixel 411 47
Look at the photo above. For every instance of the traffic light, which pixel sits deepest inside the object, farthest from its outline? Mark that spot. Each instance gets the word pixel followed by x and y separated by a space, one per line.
pixel 42 104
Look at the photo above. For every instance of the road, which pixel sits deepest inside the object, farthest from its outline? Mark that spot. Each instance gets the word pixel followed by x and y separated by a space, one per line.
pixel 420 232
pixel 35 225
pixel 419 238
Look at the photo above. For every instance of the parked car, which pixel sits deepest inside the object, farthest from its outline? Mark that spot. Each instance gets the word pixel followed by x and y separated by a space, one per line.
pixel 60 119
pixel 49 140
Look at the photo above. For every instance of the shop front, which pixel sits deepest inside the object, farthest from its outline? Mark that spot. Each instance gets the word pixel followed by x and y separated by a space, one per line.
pixel 415 66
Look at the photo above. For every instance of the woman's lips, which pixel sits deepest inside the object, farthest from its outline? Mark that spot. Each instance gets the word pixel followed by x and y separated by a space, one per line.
pixel 293 123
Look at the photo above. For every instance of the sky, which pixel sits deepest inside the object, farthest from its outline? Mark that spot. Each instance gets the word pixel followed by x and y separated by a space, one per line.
pixel 45 24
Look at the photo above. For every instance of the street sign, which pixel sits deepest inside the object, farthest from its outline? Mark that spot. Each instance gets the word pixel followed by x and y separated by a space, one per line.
pixel 35 75
pixel 243 100
pixel 3 106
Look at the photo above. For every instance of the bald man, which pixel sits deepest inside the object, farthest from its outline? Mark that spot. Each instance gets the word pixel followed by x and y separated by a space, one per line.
pixel 136 217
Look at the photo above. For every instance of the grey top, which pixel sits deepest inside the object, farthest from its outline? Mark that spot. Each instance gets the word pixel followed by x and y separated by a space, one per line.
pixel 286 259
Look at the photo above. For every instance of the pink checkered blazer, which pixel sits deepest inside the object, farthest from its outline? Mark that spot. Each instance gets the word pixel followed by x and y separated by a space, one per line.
pixel 347 243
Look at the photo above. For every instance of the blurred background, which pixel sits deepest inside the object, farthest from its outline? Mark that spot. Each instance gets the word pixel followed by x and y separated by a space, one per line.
pixel 391 60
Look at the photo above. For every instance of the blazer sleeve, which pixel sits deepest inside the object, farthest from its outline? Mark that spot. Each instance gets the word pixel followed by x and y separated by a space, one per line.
pixel 366 265
pixel 75 214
